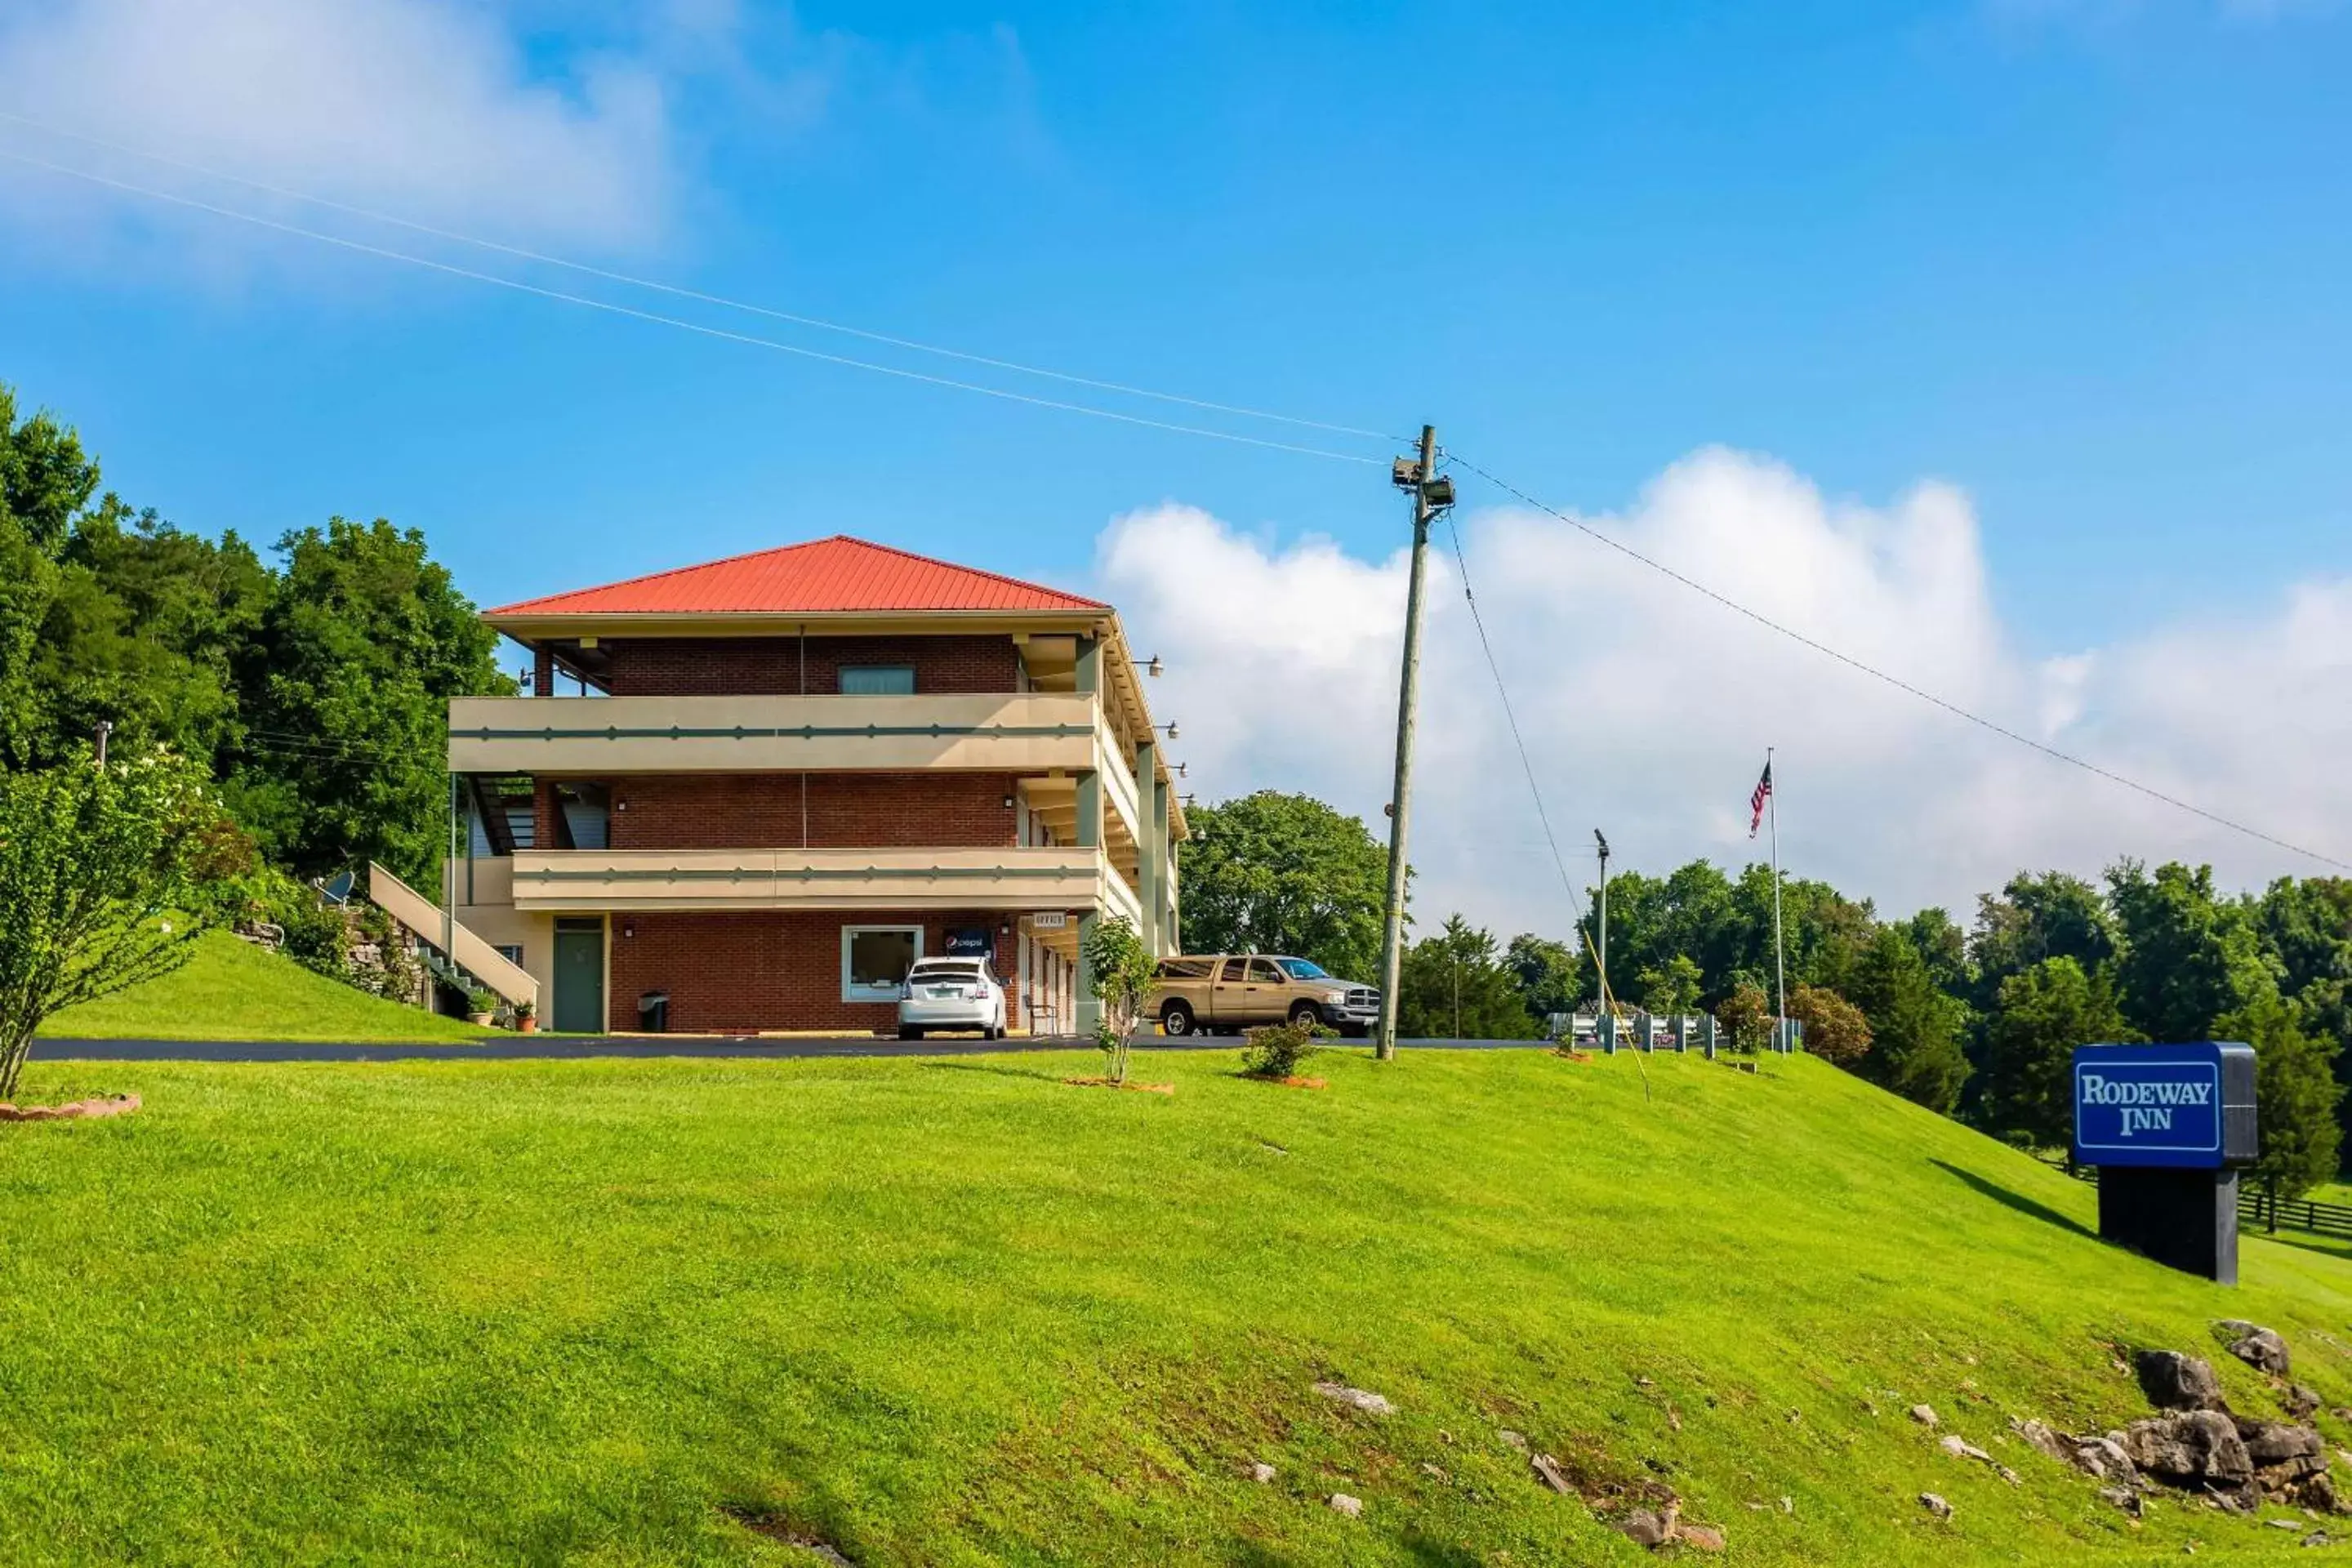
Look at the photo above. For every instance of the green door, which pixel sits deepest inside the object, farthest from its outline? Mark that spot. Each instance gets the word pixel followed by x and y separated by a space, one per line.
pixel 579 976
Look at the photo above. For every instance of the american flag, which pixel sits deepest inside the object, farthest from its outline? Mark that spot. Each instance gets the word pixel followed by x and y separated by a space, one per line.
pixel 1755 802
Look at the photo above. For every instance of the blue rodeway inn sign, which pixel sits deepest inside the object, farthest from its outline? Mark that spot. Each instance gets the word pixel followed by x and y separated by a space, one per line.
pixel 2168 1126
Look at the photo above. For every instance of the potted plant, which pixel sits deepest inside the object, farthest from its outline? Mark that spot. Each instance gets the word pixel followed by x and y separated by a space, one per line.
pixel 482 1006
pixel 526 1017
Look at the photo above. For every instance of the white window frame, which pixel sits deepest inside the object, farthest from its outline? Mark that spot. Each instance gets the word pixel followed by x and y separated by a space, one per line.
pixel 850 993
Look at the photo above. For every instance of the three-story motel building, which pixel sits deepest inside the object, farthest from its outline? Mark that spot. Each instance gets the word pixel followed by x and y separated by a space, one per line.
pixel 747 796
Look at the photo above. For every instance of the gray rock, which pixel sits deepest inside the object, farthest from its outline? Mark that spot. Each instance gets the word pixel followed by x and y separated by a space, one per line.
pixel 1702 1537
pixel 1960 1448
pixel 1262 1473
pixel 1353 1507
pixel 2300 1402
pixel 2123 1498
pixel 2258 1347
pixel 1643 1528
pixel 2189 1447
pixel 1924 1414
pixel 1512 1439
pixel 1935 1505
pixel 2104 1458
pixel 2176 1381
pixel 1361 1399
pixel 2275 1443
pixel 2038 1435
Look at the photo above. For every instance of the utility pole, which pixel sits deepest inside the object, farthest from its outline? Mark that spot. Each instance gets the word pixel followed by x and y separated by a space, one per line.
pixel 1430 495
pixel 1601 959
pixel 105 727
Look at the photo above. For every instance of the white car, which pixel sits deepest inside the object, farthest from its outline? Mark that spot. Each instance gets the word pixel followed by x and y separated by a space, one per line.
pixel 952 994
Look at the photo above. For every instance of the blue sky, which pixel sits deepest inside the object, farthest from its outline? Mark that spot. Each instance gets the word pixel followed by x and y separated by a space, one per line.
pixel 2082 262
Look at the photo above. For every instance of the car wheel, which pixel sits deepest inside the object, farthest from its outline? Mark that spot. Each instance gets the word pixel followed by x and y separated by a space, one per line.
pixel 906 1033
pixel 1176 1020
pixel 1304 1016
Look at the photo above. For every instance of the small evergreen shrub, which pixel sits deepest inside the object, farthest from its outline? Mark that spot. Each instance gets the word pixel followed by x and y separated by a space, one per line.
pixel 1277 1049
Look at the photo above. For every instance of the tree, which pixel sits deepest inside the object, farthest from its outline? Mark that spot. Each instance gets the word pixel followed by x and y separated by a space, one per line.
pixel 2041 1014
pixel 1914 1029
pixel 1286 873
pixel 1119 969
pixel 346 697
pixel 96 873
pixel 144 631
pixel 1670 989
pixel 1457 986
pixel 1835 1029
pixel 1550 974
pixel 2294 1096
pixel 2188 958
pixel 46 480
pixel 1745 1018
pixel 2053 915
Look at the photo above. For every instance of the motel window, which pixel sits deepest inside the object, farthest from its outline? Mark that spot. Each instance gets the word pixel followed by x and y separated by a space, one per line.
pixel 875 961
pixel 877 681
pixel 511 951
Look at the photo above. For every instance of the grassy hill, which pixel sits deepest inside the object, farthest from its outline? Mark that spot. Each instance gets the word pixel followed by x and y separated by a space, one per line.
pixel 960 1312
pixel 231 990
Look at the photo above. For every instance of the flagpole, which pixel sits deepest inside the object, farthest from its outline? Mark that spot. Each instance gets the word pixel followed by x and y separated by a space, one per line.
pixel 1780 971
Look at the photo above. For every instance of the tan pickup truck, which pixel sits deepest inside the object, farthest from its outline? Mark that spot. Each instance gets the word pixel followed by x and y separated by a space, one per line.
pixel 1226 993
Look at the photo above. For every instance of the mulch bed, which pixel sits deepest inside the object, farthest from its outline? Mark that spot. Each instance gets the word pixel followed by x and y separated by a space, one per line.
pixel 1106 1083
pixel 77 1111
pixel 1567 1055
pixel 1292 1081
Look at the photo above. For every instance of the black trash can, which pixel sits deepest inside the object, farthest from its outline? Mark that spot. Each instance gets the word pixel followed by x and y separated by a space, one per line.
pixel 653 1013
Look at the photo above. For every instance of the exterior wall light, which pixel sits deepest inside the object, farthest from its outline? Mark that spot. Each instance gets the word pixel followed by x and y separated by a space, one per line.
pixel 1152 666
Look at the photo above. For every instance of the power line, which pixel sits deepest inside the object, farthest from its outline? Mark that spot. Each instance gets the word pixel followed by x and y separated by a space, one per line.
pixel 1896 681
pixel 681 292
pixel 682 324
pixel 1494 668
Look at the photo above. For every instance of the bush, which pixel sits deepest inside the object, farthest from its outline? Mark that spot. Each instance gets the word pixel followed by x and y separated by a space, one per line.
pixel 1277 1049
pixel 1835 1029
pixel 1746 1019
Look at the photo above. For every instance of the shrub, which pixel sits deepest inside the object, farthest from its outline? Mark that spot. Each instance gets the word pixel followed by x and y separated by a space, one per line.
pixel 1746 1019
pixel 1277 1049
pixel 1835 1029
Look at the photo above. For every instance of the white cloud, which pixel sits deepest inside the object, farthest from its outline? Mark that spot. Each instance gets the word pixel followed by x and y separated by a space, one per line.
pixel 431 109
pixel 1647 708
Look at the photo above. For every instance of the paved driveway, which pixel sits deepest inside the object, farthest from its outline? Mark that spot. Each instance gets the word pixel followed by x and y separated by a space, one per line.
pixel 559 1048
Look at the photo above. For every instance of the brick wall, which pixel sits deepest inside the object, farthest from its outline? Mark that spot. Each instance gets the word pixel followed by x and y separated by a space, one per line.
pixel 771 667
pixel 845 811
pixel 752 970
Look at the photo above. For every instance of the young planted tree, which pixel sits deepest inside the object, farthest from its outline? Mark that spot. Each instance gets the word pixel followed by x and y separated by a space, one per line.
pixel 1119 967
pixel 97 873
pixel 1456 986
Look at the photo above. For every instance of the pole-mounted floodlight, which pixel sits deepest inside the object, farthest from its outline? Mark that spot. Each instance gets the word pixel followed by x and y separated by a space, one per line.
pixel 1170 727
pixel 1603 841
pixel 1152 666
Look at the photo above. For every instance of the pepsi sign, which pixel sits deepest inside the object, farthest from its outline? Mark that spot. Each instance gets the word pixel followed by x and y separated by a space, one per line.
pixel 2180 1107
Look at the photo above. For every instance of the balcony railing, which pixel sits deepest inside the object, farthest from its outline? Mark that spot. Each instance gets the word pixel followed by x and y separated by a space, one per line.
pixel 1009 732
pixel 1058 877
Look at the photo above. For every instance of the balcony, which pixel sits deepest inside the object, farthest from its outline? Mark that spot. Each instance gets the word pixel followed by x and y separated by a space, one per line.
pixel 593 881
pixel 1028 732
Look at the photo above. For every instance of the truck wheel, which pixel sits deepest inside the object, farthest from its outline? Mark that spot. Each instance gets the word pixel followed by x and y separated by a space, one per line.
pixel 1176 1019
pixel 1304 1014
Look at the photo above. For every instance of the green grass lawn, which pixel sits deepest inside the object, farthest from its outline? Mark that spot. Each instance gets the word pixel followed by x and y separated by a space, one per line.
pixel 959 1312
pixel 231 990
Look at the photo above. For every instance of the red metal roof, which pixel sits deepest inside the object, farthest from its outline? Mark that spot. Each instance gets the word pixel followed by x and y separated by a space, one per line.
pixel 821 576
